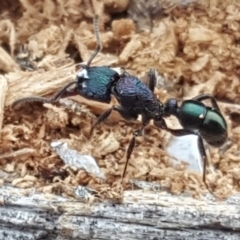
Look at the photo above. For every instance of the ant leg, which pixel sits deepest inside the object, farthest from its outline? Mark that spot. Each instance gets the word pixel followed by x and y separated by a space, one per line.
pixel 130 148
pixel 64 92
pixel 183 132
pixel 152 81
pixel 100 119
pixel 122 111
pixel 204 158
pixel 206 96
pixel 139 132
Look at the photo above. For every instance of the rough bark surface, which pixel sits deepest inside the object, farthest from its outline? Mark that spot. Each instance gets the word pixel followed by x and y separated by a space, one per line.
pixel 141 215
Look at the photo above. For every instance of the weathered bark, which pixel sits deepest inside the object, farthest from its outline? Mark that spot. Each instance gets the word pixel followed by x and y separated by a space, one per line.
pixel 141 215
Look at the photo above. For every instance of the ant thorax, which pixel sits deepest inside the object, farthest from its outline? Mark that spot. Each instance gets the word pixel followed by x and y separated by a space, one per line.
pixel 154 109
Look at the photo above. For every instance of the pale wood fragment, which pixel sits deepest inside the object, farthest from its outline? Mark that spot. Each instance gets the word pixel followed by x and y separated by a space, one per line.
pixel 24 151
pixel 37 83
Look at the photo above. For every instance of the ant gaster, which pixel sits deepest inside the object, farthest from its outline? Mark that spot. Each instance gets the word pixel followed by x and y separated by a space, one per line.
pixel 136 98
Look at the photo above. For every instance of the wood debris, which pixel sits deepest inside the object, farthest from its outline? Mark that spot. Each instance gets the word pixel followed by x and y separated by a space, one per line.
pixel 195 48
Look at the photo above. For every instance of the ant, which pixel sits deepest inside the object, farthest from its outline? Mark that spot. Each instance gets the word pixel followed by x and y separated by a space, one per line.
pixel 137 98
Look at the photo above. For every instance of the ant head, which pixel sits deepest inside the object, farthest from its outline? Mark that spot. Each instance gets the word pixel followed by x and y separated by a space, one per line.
pixel 171 107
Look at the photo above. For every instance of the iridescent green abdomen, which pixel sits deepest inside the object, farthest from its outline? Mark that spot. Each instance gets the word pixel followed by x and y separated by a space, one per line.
pixel 191 114
pixel 208 122
pixel 214 129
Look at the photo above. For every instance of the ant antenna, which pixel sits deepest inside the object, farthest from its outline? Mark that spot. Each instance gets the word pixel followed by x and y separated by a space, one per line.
pixel 43 99
pixel 99 45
